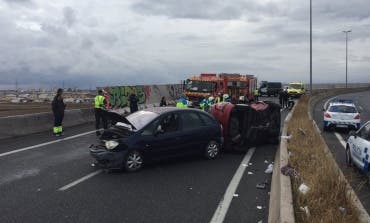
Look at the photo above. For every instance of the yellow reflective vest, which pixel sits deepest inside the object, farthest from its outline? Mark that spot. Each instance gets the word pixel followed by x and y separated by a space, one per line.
pixel 99 101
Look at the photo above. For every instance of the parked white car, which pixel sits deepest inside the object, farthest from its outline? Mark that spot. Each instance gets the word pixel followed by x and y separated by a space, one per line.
pixel 357 148
pixel 341 113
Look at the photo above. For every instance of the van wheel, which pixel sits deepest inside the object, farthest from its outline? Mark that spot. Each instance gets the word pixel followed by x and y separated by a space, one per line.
pixel 348 157
pixel 212 150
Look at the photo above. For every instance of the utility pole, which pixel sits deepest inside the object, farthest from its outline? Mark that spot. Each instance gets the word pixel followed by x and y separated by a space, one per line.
pixel 311 47
pixel 346 32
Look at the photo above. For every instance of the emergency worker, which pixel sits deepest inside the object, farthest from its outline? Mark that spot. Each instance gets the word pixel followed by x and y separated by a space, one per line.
pixel 99 109
pixel 133 103
pixel 219 98
pixel 203 104
pixel 58 108
pixel 182 102
pixel 226 98
pixel 255 94
pixel 211 101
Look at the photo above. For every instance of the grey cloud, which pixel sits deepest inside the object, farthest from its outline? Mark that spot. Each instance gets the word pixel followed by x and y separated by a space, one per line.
pixel 206 9
pixel 69 16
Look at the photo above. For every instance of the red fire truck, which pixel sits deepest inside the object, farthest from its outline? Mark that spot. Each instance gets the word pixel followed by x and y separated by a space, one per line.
pixel 211 84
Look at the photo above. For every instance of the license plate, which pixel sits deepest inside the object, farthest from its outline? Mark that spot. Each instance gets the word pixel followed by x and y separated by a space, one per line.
pixel 341 126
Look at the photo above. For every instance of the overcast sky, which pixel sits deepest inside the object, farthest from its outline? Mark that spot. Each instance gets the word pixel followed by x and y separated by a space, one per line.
pixel 127 42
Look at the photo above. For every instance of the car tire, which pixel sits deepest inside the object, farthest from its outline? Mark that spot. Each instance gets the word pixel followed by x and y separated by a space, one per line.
pixel 133 161
pixel 212 150
pixel 348 157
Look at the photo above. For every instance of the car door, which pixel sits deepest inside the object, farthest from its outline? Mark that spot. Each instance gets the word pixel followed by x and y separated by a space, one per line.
pixel 162 137
pixel 360 146
pixel 194 132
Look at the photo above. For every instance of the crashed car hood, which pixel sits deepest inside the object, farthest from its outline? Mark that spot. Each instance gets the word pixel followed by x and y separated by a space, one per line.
pixel 114 116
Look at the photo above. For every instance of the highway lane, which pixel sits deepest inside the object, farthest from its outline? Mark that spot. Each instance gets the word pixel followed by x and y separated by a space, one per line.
pixel 356 179
pixel 181 190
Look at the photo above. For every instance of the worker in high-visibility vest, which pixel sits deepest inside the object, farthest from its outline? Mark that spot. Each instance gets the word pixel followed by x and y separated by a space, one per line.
pixel 182 102
pixel 99 109
pixel 58 107
pixel 255 94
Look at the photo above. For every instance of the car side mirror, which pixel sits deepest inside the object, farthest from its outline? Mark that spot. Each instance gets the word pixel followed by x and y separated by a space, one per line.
pixel 353 133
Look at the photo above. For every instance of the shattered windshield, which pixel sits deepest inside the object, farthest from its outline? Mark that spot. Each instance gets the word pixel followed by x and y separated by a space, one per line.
pixel 201 86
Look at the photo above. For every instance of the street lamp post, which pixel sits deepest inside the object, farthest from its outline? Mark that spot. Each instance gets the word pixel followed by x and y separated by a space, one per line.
pixel 346 32
pixel 310 46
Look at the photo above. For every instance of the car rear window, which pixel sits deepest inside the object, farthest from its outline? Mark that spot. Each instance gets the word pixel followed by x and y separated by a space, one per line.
pixel 342 109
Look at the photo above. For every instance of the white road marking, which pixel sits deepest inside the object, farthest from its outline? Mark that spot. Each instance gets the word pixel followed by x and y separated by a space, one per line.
pixel 225 202
pixel 341 140
pixel 82 179
pixel 44 144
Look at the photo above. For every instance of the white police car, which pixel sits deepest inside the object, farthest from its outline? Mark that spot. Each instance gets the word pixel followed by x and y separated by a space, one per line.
pixel 341 113
pixel 357 148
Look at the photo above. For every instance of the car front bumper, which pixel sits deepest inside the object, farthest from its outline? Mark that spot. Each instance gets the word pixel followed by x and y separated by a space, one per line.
pixel 107 159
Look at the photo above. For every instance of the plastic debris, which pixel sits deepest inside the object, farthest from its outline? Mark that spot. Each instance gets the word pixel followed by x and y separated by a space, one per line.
pixel 250 164
pixel 259 221
pixel 286 137
pixel 38 189
pixel 287 170
pixel 244 164
pixel 93 164
pixel 259 207
pixel 261 186
pixel 343 210
pixel 305 209
pixel 269 168
pixel 190 188
pixel 236 195
pixel 266 161
pixel 303 188
pixel 250 173
pixel 302 131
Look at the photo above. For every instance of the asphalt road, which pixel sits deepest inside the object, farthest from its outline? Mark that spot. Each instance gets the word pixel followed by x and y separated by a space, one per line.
pixel 354 176
pixel 55 182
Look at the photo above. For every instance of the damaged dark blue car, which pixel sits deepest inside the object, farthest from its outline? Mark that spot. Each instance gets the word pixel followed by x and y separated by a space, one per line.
pixel 157 133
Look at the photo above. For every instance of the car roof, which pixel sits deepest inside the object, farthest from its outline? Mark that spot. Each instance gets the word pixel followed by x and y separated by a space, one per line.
pixel 342 101
pixel 162 110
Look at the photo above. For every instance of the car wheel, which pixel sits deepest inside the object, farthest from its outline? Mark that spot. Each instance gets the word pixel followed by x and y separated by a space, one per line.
pixel 212 150
pixel 348 156
pixel 133 161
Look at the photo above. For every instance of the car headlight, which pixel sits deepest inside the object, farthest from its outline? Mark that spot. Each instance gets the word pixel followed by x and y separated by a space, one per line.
pixel 111 144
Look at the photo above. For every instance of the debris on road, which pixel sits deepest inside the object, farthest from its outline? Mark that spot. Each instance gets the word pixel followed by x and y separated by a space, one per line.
pixel 269 168
pixel 302 131
pixel 259 207
pixel 261 186
pixel 343 210
pixel 250 173
pixel 303 188
pixel 306 210
pixel 250 164
pixel 287 170
pixel 286 137
pixel 93 164
pixel 266 161
pixel 244 164
pixel 236 195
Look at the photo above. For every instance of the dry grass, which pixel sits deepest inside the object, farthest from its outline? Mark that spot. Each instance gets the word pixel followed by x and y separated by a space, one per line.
pixel 327 192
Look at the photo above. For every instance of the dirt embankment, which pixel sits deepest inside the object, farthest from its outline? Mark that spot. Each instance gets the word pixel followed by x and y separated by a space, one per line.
pixel 327 199
pixel 10 109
